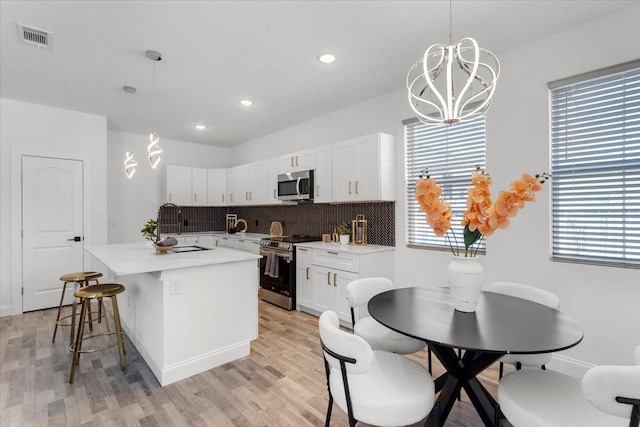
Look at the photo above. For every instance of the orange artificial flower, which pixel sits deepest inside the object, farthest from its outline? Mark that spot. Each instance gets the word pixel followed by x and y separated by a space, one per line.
pixel 482 216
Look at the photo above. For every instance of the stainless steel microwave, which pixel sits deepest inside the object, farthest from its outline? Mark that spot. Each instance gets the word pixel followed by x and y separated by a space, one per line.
pixel 295 186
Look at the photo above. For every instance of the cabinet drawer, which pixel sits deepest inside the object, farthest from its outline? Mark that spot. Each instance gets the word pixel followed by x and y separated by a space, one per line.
pixel 337 260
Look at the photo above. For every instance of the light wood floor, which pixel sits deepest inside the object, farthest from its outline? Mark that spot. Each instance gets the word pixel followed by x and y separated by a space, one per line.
pixel 282 382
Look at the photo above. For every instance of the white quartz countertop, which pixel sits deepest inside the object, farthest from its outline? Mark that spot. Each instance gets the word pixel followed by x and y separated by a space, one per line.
pixel 134 258
pixel 354 249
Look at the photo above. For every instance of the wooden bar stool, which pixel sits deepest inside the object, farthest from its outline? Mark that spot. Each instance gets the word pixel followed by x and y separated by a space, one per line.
pixel 79 279
pixel 85 294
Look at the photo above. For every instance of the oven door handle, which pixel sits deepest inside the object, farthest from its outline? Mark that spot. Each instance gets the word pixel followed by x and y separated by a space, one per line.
pixel 266 252
pixel 298 181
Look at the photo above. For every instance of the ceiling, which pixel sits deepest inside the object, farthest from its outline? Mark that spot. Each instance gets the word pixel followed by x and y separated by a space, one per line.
pixel 216 53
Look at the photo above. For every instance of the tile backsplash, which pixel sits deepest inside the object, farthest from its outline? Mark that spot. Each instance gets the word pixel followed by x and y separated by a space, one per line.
pixel 304 218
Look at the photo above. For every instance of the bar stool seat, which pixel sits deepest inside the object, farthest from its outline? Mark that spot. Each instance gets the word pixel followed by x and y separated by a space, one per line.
pixel 79 279
pixel 85 294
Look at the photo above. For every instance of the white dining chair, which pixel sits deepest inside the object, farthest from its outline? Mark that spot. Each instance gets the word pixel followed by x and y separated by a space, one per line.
pixel 373 387
pixel 530 293
pixel 606 396
pixel 379 337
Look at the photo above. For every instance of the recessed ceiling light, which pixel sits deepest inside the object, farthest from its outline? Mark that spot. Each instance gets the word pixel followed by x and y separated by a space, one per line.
pixel 200 127
pixel 246 102
pixel 327 58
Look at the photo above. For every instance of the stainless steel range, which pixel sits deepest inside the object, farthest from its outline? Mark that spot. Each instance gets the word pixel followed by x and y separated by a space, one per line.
pixel 278 269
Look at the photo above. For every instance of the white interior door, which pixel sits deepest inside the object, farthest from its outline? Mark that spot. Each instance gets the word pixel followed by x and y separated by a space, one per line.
pixel 52 227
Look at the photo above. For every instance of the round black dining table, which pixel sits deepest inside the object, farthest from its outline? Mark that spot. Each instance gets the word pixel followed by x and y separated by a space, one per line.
pixel 500 325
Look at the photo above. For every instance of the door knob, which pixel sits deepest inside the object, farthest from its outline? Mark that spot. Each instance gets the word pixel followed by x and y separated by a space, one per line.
pixel 75 239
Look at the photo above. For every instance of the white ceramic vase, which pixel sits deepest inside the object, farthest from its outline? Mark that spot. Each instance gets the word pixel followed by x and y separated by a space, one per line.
pixel 344 239
pixel 465 281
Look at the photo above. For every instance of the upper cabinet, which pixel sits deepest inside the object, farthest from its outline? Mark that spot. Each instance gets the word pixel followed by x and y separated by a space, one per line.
pixel 301 161
pixel 177 185
pixel 216 187
pixel 360 169
pixel 199 187
pixel 272 178
pixel 323 193
pixel 364 169
pixel 249 184
pixel 185 186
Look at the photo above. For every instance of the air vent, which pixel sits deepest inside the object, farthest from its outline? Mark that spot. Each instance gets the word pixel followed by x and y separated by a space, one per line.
pixel 34 36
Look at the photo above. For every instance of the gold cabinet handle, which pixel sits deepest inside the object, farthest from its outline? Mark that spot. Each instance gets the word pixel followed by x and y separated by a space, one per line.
pixel 334 279
pixel 222 197
pixel 317 190
pixel 169 196
pixel 302 249
pixel 329 278
pixel 232 197
pixel 349 187
pixel 195 197
pixel 250 195
pixel 307 273
pixel 274 193
pixel 356 187
pixel 291 161
pixel 297 161
pixel 333 253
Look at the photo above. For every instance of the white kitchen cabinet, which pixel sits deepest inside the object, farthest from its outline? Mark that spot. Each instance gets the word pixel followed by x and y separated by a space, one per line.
pixel 240 242
pixel 260 188
pixel 303 277
pixel 272 178
pixel 216 187
pixel 177 185
pixel 249 184
pixel 331 269
pixel 364 168
pixel 239 185
pixel 300 161
pixel 323 175
pixel 206 241
pixel 231 186
pixel 185 186
pixel 199 187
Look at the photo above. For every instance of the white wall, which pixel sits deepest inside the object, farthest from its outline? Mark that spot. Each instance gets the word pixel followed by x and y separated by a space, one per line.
pixel 38 130
pixel 604 300
pixel 131 202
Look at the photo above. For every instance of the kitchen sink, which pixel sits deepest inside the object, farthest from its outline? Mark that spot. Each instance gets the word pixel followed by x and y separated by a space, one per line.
pixel 180 249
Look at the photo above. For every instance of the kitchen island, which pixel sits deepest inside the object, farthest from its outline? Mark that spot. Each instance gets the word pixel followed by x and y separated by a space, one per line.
pixel 184 312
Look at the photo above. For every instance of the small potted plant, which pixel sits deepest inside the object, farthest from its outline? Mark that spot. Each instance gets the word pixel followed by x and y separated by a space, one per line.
pixel 344 231
pixel 149 231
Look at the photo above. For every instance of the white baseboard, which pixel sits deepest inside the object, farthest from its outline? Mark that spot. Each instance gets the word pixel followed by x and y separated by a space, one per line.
pixel 7 310
pixel 204 362
pixel 566 365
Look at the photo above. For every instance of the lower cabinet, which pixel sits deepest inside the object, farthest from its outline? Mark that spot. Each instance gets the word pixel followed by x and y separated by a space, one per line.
pixel 323 275
pixel 240 243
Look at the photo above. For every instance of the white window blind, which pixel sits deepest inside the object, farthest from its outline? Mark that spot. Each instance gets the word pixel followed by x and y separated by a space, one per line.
pixel 451 153
pixel 595 168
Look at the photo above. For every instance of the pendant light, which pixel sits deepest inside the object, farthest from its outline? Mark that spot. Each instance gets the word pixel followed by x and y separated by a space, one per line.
pixel 154 149
pixel 452 83
pixel 129 162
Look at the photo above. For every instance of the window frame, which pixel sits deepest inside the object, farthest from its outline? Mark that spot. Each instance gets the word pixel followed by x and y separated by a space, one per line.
pixel 473 131
pixel 593 147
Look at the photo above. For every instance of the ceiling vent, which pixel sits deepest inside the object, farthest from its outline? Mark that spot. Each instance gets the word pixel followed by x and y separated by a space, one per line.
pixel 35 36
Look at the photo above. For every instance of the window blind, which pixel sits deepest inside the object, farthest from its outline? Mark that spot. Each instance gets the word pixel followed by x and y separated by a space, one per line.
pixel 451 153
pixel 595 164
